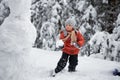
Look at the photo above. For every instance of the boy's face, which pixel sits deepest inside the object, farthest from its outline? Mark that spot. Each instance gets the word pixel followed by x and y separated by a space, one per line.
pixel 69 28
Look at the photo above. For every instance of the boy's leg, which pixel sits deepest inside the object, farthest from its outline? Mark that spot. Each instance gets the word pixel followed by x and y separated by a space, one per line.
pixel 73 62
pixel 62 62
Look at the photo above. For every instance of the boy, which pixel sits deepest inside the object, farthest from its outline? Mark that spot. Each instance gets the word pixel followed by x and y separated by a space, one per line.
pixel 73 40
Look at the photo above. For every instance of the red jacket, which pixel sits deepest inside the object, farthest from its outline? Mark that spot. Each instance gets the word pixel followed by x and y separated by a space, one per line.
pixel 71 49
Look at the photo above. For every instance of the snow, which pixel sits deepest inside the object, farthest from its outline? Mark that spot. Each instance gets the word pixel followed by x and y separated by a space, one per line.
pixel 4 11
pixel 105 45
pixel 82 29
pixel 99 37
pixel 105 1
pixel 1 8
pixel 57 6
pixel 81 5
pixel 17 30
pixel 41 63
pixel 17 36
pixel 88 26
pixel 90 11
pixel 118 20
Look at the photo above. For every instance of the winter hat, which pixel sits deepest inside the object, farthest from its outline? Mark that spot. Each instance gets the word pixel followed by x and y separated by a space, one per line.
pixel 70 21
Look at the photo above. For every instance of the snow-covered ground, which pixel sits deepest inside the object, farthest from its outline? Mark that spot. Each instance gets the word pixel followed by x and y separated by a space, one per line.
pixel 41 62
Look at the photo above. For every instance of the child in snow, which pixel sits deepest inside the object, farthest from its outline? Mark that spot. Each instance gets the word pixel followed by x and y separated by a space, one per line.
pixel 73 40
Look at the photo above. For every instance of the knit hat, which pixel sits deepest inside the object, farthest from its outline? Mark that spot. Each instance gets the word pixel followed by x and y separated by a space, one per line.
pixel 70 21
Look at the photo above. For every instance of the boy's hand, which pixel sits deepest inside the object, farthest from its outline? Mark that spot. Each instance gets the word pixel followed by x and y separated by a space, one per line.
pixel 69 33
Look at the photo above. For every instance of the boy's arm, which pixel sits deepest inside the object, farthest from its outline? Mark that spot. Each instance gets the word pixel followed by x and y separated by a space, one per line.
pixel 80 40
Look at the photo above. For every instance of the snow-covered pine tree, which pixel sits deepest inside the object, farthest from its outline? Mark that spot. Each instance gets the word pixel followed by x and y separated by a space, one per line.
pixel 105 45
pixel 48 37
pixel 107 13
pixel 45 12
pixel 89 25
pixel 104 18
pixel 116 37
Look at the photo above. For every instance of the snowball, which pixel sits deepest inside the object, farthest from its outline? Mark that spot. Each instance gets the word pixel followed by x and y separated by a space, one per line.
pixel 59 43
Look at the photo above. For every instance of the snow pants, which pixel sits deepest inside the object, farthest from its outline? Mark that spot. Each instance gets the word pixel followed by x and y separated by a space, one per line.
pixel 73 61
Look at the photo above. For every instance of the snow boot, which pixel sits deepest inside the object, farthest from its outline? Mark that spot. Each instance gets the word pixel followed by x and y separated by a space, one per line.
pixel 53 73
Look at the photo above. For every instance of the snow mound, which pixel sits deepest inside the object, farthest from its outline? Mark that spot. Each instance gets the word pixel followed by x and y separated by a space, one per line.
pixel 17 36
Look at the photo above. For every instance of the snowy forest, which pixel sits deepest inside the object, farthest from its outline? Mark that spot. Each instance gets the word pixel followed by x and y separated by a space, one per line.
pixel 30 31
pixel 98 21
pixel 93 18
